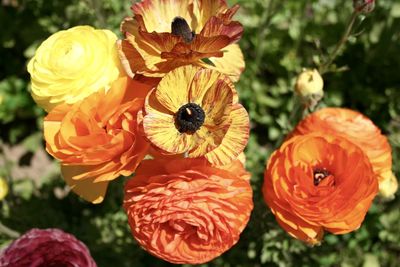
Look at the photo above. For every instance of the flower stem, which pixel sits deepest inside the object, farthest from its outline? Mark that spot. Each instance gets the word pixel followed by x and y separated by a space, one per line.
pixel 324 67
pixel 296 114
pixel 265 21
pixel 8 232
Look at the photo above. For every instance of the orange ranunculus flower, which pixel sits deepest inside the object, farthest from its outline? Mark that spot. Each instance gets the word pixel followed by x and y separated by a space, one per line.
pixel 196 111
pixel 186 211
pixel 356 128
pixel 237 166
pixel 166 34
pixel 319 182
pixel 98 139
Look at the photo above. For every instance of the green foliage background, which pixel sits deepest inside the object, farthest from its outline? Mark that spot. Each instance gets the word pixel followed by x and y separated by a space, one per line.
pixel 281 37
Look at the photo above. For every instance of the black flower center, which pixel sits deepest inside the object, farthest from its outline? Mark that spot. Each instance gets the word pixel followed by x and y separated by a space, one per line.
pixel 189 118
pixel 180 27
pixel 319 175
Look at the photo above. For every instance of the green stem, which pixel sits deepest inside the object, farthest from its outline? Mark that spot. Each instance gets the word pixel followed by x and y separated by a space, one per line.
pixel 296 114
pixel 8 232
pixel 324 67
pixel 263 27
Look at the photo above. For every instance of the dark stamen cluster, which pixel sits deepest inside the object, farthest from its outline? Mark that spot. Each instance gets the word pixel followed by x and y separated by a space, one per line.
pixel 180 27
pixel 319 175
pixel 189 118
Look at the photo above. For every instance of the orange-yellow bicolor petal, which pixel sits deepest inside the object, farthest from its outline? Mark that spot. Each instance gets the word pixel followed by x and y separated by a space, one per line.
pixel 160 129
pixel 158 14
pixel 202 82
pixel 235 139
pixel 152 48
pixel 173 90
pixel 205 9
pixel 217 103
pixel 198 122
pixel 85 188
pixel 98 139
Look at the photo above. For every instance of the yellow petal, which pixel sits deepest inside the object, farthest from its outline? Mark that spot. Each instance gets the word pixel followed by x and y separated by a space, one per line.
pixel 85 188
pixel 159 127
pixel 202 82
pixel 235 139
pixel 173 90
pixel 205 9
pixel 231 63
pixel 217 103
pixel 208 139
pixel 3 188
pixel 136 53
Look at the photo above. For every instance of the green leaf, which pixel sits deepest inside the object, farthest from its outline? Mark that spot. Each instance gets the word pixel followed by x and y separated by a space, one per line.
pixel 208 61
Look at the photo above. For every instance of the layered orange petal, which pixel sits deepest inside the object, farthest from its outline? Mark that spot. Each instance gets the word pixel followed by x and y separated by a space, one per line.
pixel 318 182
pixel 185 211
pixel 85 188
pixel 237 167
pixel 355 127
pixel 98 139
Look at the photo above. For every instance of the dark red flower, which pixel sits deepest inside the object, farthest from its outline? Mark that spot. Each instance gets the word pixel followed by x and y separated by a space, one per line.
pixel 48 247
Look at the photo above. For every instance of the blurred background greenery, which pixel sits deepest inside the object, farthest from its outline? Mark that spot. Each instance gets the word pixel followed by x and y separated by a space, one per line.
pixel 281 37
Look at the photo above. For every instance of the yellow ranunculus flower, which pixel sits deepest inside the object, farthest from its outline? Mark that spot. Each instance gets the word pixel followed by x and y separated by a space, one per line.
pixel 3 188
pixel 72 64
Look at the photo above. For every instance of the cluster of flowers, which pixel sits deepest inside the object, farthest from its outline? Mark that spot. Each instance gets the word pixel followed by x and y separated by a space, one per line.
pixel 326 174
pixel 160 103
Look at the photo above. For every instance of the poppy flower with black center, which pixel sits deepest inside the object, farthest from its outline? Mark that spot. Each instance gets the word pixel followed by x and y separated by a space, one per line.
pixel 166 34
pixel 319 182
pixel 195 111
